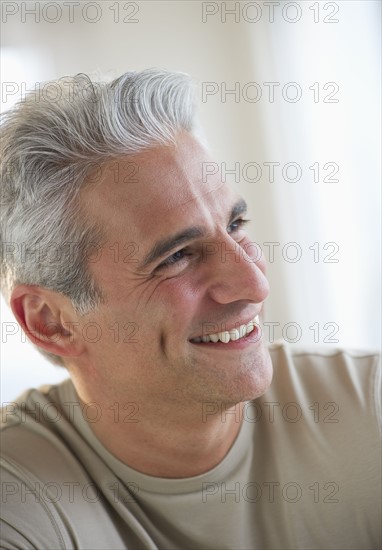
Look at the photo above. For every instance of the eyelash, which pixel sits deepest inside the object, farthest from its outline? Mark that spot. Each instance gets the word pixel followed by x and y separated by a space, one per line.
pixel 241 223
pixel 171 260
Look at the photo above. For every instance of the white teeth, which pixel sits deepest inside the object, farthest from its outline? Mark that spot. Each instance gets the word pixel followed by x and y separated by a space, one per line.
pixel 250 327
pixel 234 334
pixel 243 330
pixel 224 337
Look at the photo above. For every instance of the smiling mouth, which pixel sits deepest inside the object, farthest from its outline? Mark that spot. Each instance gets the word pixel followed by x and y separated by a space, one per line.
pixel 233 335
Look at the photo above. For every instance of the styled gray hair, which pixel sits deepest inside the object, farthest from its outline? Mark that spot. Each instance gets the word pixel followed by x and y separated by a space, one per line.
pixel 50 142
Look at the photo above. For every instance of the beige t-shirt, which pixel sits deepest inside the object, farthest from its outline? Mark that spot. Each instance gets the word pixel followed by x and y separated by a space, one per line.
pixel 303 473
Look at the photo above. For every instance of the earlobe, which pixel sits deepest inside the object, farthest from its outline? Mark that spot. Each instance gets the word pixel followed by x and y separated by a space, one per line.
pixel 39 312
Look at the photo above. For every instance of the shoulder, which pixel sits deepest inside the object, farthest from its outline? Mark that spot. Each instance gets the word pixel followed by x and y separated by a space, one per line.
pixel 43 478
pixel 330 368
pixel 323 355
pixel 321 420
pixel 33 430
pixel 343 380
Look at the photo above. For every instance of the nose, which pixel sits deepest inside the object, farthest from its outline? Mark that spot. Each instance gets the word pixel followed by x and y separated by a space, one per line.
pixel 237 273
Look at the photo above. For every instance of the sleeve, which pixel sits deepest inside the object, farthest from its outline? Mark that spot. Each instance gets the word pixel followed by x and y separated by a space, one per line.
pixel 12 539
pixel 27 519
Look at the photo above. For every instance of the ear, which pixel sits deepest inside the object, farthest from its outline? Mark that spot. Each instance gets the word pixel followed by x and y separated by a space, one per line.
pixel 48 319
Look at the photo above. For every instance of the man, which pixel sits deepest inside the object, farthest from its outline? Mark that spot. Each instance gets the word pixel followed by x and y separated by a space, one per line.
pixel 170 432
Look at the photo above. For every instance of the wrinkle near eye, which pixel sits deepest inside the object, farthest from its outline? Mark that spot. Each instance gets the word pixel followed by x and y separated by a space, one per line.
pixel 151 286
pixel 161 344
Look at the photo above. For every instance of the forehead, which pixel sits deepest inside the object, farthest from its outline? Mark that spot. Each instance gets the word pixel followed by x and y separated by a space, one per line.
pixel 157 191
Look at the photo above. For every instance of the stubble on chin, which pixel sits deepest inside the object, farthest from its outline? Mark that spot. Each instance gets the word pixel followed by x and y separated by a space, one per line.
pixel 216 383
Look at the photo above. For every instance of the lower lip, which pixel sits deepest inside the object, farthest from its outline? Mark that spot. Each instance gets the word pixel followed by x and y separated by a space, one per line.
pixel 252 338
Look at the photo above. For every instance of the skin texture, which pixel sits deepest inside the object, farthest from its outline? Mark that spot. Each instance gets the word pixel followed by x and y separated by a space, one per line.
pixel 164 399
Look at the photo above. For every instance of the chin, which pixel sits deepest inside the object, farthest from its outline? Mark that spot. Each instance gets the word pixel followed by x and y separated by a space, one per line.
pixel 252 387
pixel 251 380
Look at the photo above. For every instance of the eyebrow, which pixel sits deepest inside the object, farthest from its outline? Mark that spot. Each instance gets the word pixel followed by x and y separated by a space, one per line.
pixel 163 246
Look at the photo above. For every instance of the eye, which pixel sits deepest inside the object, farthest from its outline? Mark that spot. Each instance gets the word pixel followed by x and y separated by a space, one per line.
pixel 180 256
pixel 238 224
pixel 173 259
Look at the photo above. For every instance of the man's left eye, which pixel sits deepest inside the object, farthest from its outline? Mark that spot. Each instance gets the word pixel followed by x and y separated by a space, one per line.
pixel 238 224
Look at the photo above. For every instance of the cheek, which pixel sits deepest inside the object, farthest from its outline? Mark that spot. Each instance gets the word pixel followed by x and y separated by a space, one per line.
pixel 180 299
pixel 159 305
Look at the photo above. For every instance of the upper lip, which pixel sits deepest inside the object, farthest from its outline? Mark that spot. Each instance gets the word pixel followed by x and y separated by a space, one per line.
pixel 227 326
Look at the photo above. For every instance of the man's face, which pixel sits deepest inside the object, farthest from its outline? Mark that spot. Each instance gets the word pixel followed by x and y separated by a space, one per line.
pixel 161 296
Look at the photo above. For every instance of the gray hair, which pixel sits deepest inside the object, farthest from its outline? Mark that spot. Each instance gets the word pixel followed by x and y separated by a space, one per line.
pixel 50 142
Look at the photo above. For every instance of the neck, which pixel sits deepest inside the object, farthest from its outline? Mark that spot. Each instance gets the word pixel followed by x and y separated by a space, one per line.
pixel 164 439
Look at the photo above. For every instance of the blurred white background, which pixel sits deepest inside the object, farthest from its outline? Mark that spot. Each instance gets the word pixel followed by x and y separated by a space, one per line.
pixel 305 91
